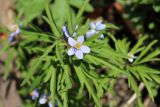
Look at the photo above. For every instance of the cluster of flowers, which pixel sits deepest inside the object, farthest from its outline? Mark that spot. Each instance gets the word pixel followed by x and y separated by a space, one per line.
pixel 44 99
pixel 77 47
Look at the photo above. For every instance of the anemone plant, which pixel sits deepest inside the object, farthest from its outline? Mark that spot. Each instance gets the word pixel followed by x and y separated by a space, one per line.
pixel 60 66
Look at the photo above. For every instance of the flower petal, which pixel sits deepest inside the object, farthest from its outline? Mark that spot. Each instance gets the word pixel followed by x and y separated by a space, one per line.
pixel 65 31
pixel 101 36
pixel 90 33
pixel 80 39
pixel 100 27
pixel 50 104
pixel 11 37
pixel 92 25
pixel 18 31
pixel 43 99
pixel 74 34
pixel 71 51
pixel 71 41
pixel 85 49
pixel 98 22
pixel 79 54
pixel 130 60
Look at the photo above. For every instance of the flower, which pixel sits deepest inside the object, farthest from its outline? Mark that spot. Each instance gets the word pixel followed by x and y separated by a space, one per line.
pixel 132 57
pixel 95 27
pixel 50 104
pixel 77 47
pixel 43 99
pixel 34 94
pixel 16 31
pixel 55 104
pixel 65 31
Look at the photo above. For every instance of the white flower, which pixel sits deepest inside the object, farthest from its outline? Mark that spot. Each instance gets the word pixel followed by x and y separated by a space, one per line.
pixel 77 47
pixel 43 99
pixel 95 28
pixel 132 57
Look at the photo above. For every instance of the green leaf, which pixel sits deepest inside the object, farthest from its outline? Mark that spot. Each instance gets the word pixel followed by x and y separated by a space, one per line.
pixel 36 64
pixel 147 86
pixel 138 44
pixel 49 73
pixel 146 69
pixel 59 12
pixel 150 57
pixel 59 53
pixel 50 20
pixel 81 10
pixel 53 82
pixel 8 63
pixel 111 26
pixel 88 84
pixel 78 4
pixel 134 85
pixel 30 9
pixel 145 51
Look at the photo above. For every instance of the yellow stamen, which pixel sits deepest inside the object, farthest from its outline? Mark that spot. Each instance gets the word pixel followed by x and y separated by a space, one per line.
pixel 78 45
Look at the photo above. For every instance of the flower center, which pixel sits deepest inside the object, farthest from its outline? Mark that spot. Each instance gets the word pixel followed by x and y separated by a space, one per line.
pixel 78 45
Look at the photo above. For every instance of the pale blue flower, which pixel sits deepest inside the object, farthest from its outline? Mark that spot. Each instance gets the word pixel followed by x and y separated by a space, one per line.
pixel 12 35
pixel 43 99
pixel 66 32
pixel 95 27
pixel 34 94
pixel 55 104
pixel 50 104
pixel 77 47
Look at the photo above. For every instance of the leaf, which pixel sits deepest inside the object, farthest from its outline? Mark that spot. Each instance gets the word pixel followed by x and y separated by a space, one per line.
pixel 134 85
pixel 81 10
pixel 111 26
pixel 146 69
pixel 59 12
pixel 147 86
pixel 59 53
pixel 30 9
pixel 78 4
pixel 138 44
pixel 50 20
pixel 8 63
pixel 150 57
pixel 53 83
pixel 83 29
pixel 49 73
pixel 36 64
pixel 87 82
pixel 145 51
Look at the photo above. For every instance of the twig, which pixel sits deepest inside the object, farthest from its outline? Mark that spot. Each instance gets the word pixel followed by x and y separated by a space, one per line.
pixel 134 96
